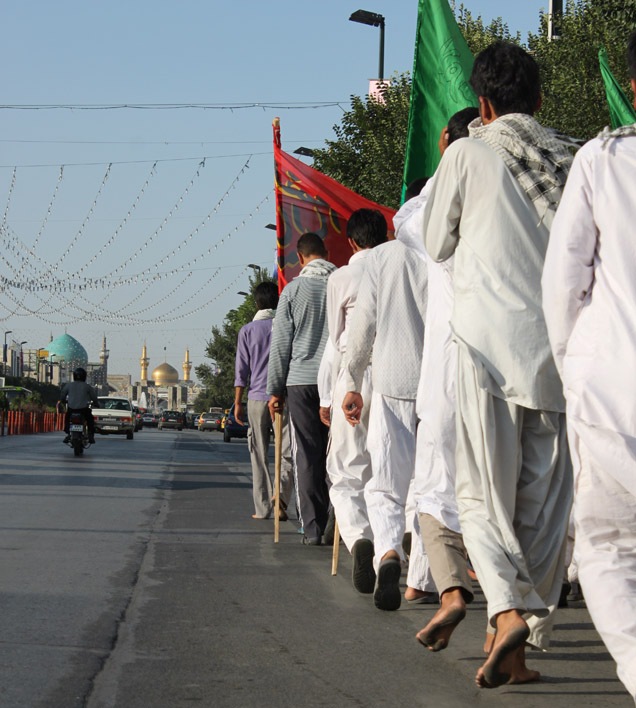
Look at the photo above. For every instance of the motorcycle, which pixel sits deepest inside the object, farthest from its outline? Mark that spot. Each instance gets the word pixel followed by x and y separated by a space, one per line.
pixel 78 432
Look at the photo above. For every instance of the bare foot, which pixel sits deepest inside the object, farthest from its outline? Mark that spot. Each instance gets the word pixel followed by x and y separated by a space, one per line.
pixel 437 633
pixel 520 673
pixel 423 597
pixel 512 632
pixel 488 642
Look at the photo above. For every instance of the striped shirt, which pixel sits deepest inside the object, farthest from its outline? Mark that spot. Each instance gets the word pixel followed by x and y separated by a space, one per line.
pixel 299 333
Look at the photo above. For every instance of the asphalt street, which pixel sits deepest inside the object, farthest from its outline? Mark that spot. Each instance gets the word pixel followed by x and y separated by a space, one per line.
pixel 134 577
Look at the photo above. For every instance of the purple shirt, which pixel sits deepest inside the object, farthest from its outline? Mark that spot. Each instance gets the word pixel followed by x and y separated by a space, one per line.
pixel 252 355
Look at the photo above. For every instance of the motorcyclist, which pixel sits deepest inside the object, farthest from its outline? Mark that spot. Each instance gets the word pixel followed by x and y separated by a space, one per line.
pixel 77 394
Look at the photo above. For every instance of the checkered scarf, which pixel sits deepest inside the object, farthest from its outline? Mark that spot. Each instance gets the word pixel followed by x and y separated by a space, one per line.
pixel 539 158
pixel 624 131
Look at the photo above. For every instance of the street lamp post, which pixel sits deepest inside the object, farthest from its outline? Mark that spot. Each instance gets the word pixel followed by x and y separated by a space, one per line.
pixel 373 19
pixel 22 359
pixel 4 351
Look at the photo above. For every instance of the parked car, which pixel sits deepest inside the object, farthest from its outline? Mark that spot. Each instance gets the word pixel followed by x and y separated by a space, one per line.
pixel 139 416
pixel 193 420
pixel 232 429
pixel 208 421
pixel 171 419
pixel 150 420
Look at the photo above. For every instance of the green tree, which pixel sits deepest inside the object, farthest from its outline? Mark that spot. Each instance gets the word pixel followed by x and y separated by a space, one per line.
pixel 367 155
pixel 573 93
pixel 478 35
pixel 218 377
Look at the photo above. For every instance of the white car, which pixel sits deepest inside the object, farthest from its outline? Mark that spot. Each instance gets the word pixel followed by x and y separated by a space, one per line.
pixel 115 416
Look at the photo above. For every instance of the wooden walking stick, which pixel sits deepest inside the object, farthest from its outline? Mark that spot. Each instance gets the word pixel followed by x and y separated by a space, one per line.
pixel 336 548
pixel 278 456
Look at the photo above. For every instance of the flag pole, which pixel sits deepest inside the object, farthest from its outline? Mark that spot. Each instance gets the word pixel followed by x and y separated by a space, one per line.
pixel 278 455
pixel 336 548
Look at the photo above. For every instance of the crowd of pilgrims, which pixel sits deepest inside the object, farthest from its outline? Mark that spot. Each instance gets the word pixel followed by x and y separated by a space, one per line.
pixel 469 380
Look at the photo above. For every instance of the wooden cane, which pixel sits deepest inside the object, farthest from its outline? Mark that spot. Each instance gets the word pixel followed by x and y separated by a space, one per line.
pixel 278 456
pixel 336 548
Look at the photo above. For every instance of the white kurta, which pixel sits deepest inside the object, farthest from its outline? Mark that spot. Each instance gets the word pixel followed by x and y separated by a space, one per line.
pixel 589 288
pixel 388 321
pixel 510 421
pixel 348 460
pixel 589 291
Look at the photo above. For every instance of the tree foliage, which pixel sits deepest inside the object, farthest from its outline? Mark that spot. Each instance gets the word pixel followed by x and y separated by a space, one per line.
pixel 573 92
pixel 478 36
pixel 218 377
pixel 367 155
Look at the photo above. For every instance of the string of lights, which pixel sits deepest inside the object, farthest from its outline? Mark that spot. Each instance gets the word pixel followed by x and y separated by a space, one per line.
pixel 287 105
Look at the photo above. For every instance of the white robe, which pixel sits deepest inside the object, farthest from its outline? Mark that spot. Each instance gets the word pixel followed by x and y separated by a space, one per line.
pixel 589 299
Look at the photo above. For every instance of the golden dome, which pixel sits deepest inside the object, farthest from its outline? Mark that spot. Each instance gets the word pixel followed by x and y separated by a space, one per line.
pixel 165 375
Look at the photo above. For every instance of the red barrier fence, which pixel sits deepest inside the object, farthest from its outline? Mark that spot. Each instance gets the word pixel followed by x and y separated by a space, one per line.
pixel 21 423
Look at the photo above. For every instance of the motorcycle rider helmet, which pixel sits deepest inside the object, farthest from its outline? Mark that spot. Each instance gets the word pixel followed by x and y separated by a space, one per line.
pixel 79 374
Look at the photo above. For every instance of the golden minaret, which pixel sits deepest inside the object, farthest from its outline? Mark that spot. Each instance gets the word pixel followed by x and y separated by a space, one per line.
pixel 144 361
pixel 187 366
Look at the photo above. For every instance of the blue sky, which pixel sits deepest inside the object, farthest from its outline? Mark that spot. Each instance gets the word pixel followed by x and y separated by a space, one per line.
pixel 179 236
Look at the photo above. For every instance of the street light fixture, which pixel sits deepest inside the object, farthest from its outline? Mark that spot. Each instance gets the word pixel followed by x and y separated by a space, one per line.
pixel 271 226
pixel 253 266
pixel 373 19
pixel 306 152
pixel 242 292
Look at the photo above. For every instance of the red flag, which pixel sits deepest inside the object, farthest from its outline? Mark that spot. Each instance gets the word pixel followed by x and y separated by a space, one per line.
pixel 307 200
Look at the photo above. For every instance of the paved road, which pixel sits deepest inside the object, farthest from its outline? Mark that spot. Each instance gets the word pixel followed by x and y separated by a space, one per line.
pixel 135 578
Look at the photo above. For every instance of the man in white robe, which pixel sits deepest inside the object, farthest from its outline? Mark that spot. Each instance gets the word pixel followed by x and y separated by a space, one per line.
pixel 491 205
pixel 434 479
pixel 388 322
pixel 589 300
pixel 348 460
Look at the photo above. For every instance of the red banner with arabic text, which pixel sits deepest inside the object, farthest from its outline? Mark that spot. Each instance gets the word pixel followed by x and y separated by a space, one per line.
pixel 308 200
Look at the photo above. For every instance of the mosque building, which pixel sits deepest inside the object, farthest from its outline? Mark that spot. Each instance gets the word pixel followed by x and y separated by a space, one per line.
pixel 54 363
pixel 163 388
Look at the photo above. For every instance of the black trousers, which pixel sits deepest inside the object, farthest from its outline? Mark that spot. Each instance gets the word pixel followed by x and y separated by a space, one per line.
pixel 310 457
pixel 88 415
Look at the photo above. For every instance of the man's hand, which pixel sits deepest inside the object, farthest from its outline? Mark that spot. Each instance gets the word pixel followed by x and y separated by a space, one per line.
pixel 238 412
pixel 325 415
pixel 276 405
pixel 352 406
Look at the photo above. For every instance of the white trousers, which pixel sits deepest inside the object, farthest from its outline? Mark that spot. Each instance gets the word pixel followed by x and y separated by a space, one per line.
pixel 349 464
pixel 514 493
pixel 391 444
pixel 605 522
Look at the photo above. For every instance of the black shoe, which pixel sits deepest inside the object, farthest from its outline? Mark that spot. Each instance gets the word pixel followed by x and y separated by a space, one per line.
pixel 67 440
pixel 330 528
pixel 387 595
pixel 312 541
pixel 363 575
pixel 563 597
pixel 91 439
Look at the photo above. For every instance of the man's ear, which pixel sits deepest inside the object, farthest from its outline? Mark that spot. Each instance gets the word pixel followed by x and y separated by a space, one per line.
pixel 537 108
pixel 486 110
pixel 301 259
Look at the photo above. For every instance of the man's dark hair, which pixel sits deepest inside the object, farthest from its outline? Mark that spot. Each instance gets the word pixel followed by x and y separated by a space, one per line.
pixel 508 77
pixel 631 55
pixel 458 124
pixel 415 187
pixel 266 296
pixel 367 227
pixel 311 244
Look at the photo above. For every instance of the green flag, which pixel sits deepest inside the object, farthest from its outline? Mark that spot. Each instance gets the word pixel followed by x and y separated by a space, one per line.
pixel 441 69
pixel 621 110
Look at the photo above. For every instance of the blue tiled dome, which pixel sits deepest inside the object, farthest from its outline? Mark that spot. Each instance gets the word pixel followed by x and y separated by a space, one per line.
pixel 68 348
